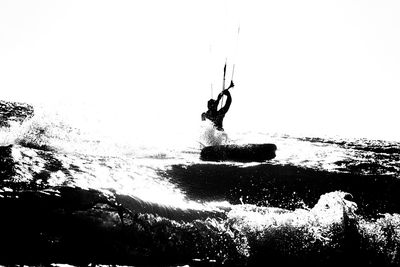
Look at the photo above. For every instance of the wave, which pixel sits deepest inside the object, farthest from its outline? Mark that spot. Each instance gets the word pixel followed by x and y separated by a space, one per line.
pixel 377 146
pixel 14 112
pixel 50 130
pixel 354 155
pixel 79 226
pixel 41 129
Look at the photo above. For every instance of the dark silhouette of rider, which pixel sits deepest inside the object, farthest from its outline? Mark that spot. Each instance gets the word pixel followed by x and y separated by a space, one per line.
pixel 215 115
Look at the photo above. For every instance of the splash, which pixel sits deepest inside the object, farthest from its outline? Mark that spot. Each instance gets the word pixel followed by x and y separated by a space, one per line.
pixel 210 136
pixel 382 237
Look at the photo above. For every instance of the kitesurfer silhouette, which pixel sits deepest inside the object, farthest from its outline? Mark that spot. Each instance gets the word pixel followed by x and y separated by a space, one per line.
pixel 215 115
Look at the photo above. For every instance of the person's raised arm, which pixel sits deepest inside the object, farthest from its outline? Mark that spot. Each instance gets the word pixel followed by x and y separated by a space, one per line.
pixel 228 102
pixel 225 91
pixel 219 96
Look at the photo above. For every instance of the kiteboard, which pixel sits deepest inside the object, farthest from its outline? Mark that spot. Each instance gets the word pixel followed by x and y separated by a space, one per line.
pixel 239 153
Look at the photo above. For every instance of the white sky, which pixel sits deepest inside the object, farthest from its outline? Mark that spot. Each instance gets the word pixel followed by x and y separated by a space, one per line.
pixel 301 66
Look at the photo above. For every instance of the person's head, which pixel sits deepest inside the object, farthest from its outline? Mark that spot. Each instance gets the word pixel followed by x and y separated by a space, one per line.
pixel 211 104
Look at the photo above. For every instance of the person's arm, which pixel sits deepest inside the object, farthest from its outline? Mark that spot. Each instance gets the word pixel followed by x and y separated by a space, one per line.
pixel 219 97
pixel 227 103
pixel 225 91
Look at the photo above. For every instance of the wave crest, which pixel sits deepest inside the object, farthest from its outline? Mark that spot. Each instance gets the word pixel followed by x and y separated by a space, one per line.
pixel 43 131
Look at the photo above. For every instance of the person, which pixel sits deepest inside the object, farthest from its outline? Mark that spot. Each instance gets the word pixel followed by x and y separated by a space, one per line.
pixel 215 115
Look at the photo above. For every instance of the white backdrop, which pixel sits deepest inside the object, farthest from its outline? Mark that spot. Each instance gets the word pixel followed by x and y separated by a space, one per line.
pixel 301 66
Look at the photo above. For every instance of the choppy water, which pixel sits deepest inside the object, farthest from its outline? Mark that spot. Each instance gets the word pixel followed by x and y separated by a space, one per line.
pixel 321 201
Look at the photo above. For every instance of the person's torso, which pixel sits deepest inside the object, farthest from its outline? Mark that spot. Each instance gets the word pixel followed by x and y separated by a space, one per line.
pixel 216 117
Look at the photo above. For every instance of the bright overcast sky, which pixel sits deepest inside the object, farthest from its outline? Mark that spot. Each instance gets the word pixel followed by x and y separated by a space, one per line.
pixel 300 66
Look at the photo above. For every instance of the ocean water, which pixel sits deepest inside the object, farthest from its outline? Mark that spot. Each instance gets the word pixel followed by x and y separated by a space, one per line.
pixel 73 195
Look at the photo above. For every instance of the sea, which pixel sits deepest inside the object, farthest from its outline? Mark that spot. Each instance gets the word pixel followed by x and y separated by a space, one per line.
pixel 70 196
